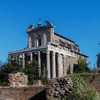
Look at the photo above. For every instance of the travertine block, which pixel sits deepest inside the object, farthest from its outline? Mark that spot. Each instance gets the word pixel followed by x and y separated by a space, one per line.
pixel 18 79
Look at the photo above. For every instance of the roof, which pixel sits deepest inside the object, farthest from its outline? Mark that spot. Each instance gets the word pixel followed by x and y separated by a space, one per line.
pixel 81 54
pixel 64 37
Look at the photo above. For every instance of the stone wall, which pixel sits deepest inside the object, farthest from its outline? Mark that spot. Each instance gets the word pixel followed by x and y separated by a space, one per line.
pixel 58 88
pixel 22 93
pixel 18 79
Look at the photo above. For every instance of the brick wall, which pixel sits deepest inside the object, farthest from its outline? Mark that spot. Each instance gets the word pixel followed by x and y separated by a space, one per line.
pixel 22 93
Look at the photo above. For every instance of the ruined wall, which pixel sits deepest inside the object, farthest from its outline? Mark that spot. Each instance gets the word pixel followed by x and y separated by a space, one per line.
pixel 55 88
pixel 23 93
pixel 18 79
pixel 58 88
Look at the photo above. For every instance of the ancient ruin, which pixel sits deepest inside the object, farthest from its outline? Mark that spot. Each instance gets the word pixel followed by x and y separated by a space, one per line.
pixel 58 53
pixel 18 79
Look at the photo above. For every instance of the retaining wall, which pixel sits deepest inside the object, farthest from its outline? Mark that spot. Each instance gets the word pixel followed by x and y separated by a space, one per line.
pixel 23 93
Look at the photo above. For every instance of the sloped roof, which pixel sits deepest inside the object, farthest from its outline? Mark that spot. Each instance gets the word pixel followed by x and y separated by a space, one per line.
pixel 64 37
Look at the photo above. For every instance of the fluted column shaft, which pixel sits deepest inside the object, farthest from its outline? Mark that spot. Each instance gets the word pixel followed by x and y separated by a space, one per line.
pixel 53 64
pixel 60 66
pixel 48 63
pixel 58 63
pixel 31 56
pixel 23 58
pixel 64 58
pixel 39 63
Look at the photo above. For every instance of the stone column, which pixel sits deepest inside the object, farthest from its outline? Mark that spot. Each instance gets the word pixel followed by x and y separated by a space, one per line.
pixel 71 68
pixel 53 65
pixel 65 67
pixel 60 66
pixel 31 56
pixel 48 63
pixel 72 62
pixel 39 62
pixel 58 63
pixel 23 58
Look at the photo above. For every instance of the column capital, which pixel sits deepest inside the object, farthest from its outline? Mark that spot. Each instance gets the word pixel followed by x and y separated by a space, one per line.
pixel 53 53
pixel 59 54
pixel 30 52
pixel 64 56
pixel 38 52
pixel 47 52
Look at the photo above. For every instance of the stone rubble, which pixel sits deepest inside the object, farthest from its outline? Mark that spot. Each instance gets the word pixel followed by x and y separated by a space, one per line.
pixel 57 88
pixel 18 79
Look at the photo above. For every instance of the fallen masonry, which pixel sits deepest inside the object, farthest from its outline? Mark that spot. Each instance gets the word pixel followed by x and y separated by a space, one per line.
pixel 58 88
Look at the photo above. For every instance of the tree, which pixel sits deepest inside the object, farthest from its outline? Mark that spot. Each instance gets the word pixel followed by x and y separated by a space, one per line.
pixel 0 63
pixel 7 68
pixel 30 69
pixel 81 66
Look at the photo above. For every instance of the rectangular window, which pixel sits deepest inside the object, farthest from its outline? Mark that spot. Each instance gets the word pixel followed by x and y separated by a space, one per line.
pixel 39 42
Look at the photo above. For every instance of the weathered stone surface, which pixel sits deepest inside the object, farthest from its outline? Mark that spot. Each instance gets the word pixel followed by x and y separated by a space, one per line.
pixel 57 88
pixel 38 83
pixel 21 93
pixel 18 79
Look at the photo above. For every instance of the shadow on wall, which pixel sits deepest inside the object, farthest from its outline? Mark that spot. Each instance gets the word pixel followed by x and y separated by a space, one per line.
pixel 39 96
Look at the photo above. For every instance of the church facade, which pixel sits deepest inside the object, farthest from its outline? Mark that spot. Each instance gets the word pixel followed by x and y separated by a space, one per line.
pixel 58 53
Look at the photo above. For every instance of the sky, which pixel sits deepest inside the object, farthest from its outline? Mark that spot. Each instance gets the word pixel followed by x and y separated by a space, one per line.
pixel 78 20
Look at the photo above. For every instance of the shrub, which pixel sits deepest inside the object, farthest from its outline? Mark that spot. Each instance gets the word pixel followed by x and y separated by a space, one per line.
pixel 16 66
pixel 81 66
pixel 81 90
pixel 32 71
pixel 7 68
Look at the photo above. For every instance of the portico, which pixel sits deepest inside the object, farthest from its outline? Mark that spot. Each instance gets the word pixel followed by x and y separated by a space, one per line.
pixel 47 55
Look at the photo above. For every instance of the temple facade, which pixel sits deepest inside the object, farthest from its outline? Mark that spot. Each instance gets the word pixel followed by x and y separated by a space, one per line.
pixel 58 53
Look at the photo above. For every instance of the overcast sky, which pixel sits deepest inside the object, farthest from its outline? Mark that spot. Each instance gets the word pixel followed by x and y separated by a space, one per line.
pixel 78 20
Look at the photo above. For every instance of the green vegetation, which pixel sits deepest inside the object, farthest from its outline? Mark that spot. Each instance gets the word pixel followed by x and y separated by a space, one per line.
pixel 33 73
pixel 82 90
pixel 16 66
pixel 81 66
pixel 7 68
